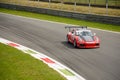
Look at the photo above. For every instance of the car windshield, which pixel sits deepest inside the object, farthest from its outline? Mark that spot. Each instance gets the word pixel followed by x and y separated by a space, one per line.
pixel 86 33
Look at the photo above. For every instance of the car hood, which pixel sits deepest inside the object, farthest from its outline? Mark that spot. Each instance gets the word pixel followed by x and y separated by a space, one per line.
pixel 88 38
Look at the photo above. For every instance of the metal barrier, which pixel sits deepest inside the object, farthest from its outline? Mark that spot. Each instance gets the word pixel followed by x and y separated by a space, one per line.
pixel 88 6
pixel 81 16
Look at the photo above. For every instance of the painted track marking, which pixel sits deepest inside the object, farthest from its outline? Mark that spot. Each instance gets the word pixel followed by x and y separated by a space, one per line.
pixel 63 70
pixel 59 23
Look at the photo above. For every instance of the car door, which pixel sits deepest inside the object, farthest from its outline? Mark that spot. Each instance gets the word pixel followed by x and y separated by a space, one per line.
pixel 72 36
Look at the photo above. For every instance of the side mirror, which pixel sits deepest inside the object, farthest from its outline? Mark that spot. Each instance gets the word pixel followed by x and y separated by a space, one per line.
pixel 94 34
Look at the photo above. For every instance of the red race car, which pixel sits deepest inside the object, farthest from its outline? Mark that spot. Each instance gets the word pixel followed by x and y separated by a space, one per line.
pixel 82 37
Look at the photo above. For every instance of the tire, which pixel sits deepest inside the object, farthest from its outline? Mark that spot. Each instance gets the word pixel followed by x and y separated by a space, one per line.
pixel 75 44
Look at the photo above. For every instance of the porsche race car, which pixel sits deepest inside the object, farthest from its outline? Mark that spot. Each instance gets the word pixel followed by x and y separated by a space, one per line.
pixel 82 37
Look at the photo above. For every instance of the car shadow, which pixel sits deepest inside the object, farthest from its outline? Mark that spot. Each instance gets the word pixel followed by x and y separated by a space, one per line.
pixel 68 45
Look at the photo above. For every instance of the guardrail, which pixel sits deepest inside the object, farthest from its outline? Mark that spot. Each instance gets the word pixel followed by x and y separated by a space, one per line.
pixel 94 3
pixel 75 15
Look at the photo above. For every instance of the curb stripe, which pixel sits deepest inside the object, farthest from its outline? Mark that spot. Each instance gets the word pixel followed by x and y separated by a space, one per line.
pixel 66 72
pixel 30 52
pixel 60 68
pixel 48 60
pixel 13 44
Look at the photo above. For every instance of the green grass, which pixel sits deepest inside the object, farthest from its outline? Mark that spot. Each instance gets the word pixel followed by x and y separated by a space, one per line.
pixel 63 20
pixel 15 65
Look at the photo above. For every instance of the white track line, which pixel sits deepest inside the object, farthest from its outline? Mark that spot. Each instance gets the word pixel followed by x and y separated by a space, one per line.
pixel 59 23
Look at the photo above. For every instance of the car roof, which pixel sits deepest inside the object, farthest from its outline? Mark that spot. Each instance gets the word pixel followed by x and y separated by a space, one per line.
pixel 78 31
pixel 81 30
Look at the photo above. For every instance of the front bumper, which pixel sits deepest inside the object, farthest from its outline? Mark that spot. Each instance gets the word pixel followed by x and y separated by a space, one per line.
pixel 89 45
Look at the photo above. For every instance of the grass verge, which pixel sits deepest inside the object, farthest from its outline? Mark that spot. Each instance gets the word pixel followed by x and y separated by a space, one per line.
pixel 15 65
pixel 63 20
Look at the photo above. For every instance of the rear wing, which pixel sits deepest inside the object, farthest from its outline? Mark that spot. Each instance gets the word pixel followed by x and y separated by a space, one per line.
pixel 77 27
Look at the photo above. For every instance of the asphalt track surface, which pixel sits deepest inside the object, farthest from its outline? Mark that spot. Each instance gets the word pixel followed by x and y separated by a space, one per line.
pixel 49 38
